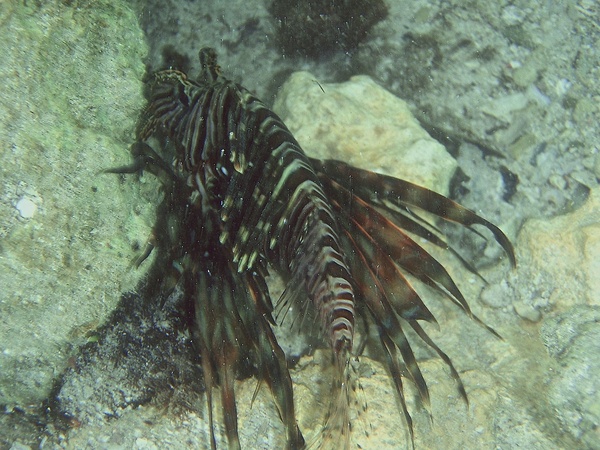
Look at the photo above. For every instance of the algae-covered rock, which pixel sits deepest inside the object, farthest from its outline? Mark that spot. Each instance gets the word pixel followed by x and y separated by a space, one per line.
pixel 573 338
pixel 71 92
pixel 364 125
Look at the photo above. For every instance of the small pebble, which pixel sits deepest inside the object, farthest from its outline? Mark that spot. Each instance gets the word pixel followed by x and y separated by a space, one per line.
pixel 26 207
pixel 494 295
pixel 144 444
pixel 527 312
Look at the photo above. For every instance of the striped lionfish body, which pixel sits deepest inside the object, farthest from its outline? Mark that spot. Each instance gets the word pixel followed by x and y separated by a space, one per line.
pixel 334 232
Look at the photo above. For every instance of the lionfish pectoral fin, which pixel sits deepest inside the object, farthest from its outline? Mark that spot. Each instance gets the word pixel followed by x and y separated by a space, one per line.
pixel 410 221
pixel 207 371
pixel 405 252
pixel 374 212
pixel 274 370
pixel 425 337
pixel 256 317
pixel 383 241
pixel 145 158
pixel 394 286
pixel 380 189
pixel 271 363
pixel 371 290
pixel 227 381
pixel 214 290
pixel 255 393
pixel 396 373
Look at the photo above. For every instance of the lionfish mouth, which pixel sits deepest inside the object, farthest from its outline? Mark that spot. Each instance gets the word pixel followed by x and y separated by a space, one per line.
pixel 247 199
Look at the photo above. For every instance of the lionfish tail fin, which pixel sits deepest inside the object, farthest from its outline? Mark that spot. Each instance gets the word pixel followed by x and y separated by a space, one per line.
pixel 335 433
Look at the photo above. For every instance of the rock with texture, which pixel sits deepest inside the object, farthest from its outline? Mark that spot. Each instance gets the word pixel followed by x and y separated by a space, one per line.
pixel 573 339
pixel 560 260
pixel 364 125
pixel 71 93
pixel 561 273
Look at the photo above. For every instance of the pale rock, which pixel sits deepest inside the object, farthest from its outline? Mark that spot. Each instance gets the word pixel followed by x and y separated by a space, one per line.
pixel 559 260
pixel 563 254
pixel 364 125
pixel 527 311
pixel 503 108
pixel 26 207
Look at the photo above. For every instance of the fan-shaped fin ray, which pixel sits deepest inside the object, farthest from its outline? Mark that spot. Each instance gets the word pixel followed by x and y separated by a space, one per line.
pixel 377 188
pixel 393 364
pixel 274 371
pixel 394 286
pixel 374 235
pixel 399 246
pixel 410 221
pixel 233 311
pixel 214 339
pixel 425 337
pixel 227 381
pixel 371 291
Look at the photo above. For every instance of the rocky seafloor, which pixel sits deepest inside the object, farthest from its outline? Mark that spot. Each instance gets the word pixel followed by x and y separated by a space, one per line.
pixel 500 110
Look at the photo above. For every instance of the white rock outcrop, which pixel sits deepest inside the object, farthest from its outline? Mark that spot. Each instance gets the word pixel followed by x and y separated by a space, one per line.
pixel 364 125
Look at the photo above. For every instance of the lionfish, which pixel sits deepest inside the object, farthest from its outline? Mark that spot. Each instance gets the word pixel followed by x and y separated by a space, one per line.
pixel 249 198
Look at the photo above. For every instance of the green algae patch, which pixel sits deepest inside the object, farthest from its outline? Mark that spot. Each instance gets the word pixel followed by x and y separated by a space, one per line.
pixel 72 91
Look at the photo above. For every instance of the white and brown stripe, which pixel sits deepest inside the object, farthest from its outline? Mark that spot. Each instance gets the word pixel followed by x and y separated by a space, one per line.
pixel 248 166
